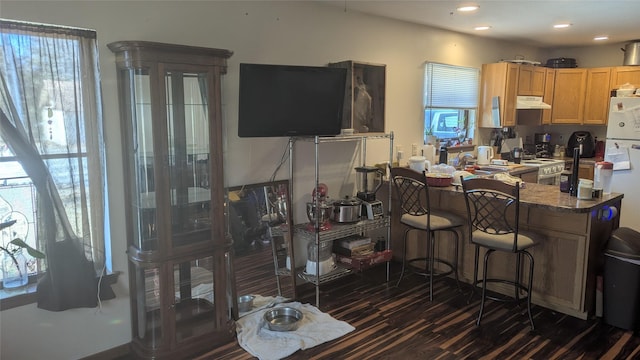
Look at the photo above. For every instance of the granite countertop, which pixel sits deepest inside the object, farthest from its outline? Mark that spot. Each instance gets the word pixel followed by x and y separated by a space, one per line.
pixel 523 170
pixel 550 197
pixel 584 161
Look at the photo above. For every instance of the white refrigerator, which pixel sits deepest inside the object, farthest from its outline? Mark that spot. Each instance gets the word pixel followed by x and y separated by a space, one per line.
pixel 623 149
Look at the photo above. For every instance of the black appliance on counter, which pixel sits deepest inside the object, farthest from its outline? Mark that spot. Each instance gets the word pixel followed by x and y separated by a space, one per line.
pixel 582 140
pixel 544 149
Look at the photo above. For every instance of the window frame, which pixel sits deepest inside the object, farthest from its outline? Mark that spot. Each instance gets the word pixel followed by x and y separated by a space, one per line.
pixel 83 109
pixel 441 94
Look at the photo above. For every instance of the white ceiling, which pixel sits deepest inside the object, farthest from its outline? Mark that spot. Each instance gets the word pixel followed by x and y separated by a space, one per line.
pixel 526 21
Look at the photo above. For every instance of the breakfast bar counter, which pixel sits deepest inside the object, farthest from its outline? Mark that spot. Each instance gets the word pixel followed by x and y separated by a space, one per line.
pixel 567 262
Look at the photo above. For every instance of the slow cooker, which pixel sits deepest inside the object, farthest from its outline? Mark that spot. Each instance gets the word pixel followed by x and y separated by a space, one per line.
pixel 347 210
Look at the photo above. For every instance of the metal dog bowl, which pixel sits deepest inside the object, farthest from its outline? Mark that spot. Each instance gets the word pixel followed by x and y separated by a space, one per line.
pixel 245 303
pixel 283 319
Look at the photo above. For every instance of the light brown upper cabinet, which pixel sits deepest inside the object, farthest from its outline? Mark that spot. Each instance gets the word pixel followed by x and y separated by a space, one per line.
pixel 577 96
pixel 581 96
pixel 569 96
pixel 547 97
pixel 625 74
pixel 531 80
pixel 596 106
pixel 498 80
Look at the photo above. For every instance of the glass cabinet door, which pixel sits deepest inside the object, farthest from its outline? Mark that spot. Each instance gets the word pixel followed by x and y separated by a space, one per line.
pixel 142 159
pixel 188 156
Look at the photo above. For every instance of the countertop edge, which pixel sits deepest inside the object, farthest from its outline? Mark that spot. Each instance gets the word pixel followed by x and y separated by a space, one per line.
pixel 550 197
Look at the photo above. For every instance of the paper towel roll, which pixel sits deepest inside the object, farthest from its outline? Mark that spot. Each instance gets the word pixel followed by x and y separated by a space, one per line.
pixel 429 152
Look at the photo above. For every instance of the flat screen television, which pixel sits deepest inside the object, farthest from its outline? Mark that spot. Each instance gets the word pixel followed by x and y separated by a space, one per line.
pixel 290 100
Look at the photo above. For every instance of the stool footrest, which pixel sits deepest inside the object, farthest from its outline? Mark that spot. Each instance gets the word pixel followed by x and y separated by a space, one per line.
pixel 425 271
pixel 504 298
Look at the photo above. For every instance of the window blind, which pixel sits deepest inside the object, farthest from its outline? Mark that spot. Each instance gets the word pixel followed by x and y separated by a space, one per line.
pixel 450 87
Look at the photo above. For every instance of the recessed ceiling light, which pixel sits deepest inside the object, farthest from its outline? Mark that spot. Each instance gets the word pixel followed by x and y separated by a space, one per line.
pixel 467 8
pixel 481 28
pixel 601 38
pixel 561 26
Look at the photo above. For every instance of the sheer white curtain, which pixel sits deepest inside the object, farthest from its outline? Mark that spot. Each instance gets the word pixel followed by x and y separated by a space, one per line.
pixel 51 119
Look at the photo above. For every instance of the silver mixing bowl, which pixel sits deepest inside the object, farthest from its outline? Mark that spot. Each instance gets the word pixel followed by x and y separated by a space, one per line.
pixel 283 318
pixel 245 303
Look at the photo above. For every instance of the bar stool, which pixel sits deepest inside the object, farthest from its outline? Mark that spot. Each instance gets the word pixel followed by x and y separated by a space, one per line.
pixel 413 194
pixel 493 209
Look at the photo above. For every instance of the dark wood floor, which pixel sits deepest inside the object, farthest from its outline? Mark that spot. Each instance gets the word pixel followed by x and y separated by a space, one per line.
pixel 401 323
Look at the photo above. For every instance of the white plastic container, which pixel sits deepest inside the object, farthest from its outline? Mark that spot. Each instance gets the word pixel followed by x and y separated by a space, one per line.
pixel 585 189
pixel 429 153
pixel 602 176
pixel 419 163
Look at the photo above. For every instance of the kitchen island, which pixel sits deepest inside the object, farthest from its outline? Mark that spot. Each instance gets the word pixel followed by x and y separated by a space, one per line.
pixel 567 262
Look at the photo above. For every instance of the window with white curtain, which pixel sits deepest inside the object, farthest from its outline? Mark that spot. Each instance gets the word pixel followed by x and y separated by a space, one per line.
pixel 450 103
pixel 52 159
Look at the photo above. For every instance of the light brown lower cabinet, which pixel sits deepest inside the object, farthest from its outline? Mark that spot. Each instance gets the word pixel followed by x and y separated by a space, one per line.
pixel 585 171
pixel 566 263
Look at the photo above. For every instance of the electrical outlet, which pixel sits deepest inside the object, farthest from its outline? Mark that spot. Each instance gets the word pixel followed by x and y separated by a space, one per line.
pixel 414 149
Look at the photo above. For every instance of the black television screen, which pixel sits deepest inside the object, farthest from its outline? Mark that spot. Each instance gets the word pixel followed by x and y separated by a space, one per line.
pixel 289 100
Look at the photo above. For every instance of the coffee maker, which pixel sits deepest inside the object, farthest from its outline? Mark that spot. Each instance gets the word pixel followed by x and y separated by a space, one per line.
pixel 543 145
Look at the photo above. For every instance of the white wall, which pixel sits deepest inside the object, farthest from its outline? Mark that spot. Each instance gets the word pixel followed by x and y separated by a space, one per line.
pixel 299 33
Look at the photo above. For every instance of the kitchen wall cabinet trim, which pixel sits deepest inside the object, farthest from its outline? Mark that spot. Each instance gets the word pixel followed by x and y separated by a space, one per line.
pixel 182 292
pixel 337 231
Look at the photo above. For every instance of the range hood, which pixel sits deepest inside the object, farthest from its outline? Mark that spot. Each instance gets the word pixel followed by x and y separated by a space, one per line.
pixel 531 102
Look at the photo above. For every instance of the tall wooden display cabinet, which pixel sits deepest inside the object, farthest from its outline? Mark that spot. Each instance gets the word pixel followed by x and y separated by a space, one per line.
pixel 180 262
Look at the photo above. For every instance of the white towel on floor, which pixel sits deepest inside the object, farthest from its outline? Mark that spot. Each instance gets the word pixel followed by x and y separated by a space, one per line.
pixel 315 328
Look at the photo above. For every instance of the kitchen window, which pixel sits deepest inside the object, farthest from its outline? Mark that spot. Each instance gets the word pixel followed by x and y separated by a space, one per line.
pixel 52 161
pixel 450 103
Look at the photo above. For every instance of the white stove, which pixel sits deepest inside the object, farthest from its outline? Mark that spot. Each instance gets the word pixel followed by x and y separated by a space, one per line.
pixel 549 170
